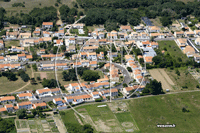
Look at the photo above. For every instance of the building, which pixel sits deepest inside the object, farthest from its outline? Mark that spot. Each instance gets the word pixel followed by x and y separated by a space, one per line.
pixel 1 45
pixel 9 107
pixel 25 96
pixel 125 28
pixel 42 105
pixel 47 25
pixel 25 35
pixel 106 93
pixel 7 99
pixel 58 101
pixel 25 105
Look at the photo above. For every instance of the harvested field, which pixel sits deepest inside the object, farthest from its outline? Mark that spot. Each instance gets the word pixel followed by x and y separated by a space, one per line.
pixel 158 76
pixel 162 71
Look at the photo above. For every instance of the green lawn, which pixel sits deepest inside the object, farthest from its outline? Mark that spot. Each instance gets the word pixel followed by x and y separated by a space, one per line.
pixel 185 79
pixel 172 49
pixel 145 113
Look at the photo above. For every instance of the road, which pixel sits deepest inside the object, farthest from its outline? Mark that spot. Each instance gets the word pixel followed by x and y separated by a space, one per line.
pixel 127 77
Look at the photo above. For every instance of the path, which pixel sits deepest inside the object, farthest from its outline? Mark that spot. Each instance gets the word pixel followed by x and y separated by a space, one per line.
pixel 59 21
pixel 32 74
pixel 60 125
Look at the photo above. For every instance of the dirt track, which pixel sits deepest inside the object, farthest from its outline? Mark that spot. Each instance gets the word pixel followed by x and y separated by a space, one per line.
pixel 157 75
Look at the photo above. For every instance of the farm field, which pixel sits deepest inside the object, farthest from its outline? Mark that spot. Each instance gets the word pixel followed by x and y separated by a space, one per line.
pixel 142 114
pixel 172 49
pixel 36 125
pixel 160 75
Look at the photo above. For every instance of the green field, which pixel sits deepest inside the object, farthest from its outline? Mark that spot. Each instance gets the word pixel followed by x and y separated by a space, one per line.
pixel 185 79
pixel 172 49
pixel 142 114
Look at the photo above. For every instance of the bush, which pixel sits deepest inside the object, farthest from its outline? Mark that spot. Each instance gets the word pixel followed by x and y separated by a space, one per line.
pixel 30 116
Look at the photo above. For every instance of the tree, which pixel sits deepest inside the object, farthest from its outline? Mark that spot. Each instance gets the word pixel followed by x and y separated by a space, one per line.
pixel 55 48
pixel 154 87
pixel 56 4
pixel 34 112
pixel 34 67
pixel 89 75
pixel 63 48
pixel 21 113
pixel 125 85
pixel 7 125
pixel 129 69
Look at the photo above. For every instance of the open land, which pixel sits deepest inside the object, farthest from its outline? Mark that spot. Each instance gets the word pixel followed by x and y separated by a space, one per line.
pixel 142 114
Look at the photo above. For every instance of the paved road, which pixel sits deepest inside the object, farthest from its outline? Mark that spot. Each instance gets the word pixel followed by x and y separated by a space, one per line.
pixel 127 77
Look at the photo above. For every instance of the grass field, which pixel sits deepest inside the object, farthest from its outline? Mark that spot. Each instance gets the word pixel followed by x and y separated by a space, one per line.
pixel 172 49
pixel 9 86
pixel 12 43
pixel 29 5
pixel 143 114
pixel 185 79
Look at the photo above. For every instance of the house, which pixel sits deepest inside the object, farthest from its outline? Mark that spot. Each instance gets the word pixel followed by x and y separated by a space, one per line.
pixel 127 90
pixel 101 35
pixel 72 49
pixel 112 35
pixel 152 29
pixel 25 35
pixel 77 64
pixel 3 109
pixel 25 96
pixel 133 35
pixel 47 25
pixel 58 42
pixel 125 28
pixel 44 92
pixel 78 26
pixel 197 32
pixel 72 40
pixel 27 42
pixel 157 35
pixel 1 45
pixel 93 64
pixel 139 78
pixel 198 26
pixel 148 59
pixel 90 49
pixel 103 41
pixel 96 95
pixel 85 63
pixel 197 41
pixel 9 107
pixel 92 56
pixel 105 79
pixel 106 93
pixel 179 34
pixel 47 39
pixel 46 34
pixel 42 105
pixel 182 42
pixel 7 99
pixel 25 105
pixel 76 99
pixel 112 55
pixel 36 33
pixel 60 33
pixel 197 58
pixel 154 44
pixel 1 58
pixel 189 51
pixel 58 101
pixel 143 35
pixel 21 57
pixel 149 51
pixel 73 86
pixel 99 85
pixel 12 35
pixel 123 36
pixel 17 49
pixel 189 34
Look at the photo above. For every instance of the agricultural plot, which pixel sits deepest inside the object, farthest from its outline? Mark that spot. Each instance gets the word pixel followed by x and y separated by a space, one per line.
pixel 36 125
pixel 161 75
pixel 104 119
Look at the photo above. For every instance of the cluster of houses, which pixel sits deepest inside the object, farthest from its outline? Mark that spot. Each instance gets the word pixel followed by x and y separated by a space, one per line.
pixel 188 48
